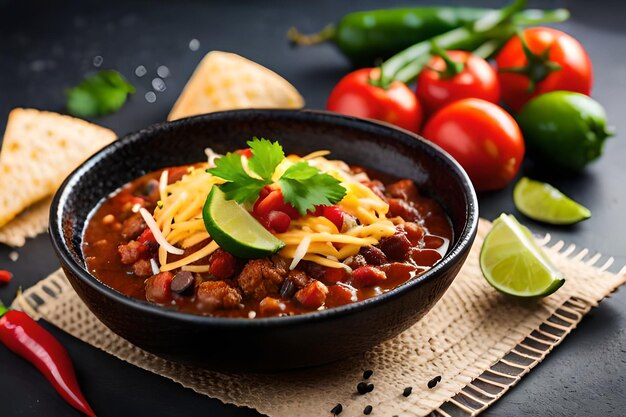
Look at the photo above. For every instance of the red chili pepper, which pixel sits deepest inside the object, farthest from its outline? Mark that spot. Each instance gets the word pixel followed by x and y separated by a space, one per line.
pixel 5 276
pixel 25 337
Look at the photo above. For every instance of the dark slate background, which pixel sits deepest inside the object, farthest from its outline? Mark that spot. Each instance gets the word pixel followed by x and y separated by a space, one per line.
pixel 46 47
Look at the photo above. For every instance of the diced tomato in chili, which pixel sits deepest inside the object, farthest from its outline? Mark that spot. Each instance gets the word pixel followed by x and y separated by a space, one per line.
pixel 274 201
pixel 334 275
pixel 158 288
pixel 270 306
pixel 5 276
pixel 341 294
pixel 367 276
pixel 222 264
pixel 335 215
pixel 146 236
pixel 313 295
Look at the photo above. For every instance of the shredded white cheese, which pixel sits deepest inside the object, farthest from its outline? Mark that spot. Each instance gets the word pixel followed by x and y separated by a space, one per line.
pixel 147 217
pixel 155 267
pixel 300 252
pixel 163 184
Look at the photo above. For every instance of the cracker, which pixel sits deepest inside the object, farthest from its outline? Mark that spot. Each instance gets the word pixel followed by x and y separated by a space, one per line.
pixel 28 224
pixel 39 150
pixel 227 81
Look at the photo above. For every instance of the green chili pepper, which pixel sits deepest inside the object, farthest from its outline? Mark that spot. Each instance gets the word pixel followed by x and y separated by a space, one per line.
pixel 365 37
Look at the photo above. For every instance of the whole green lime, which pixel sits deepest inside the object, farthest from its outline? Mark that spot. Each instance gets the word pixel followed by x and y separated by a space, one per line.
pixel 564 130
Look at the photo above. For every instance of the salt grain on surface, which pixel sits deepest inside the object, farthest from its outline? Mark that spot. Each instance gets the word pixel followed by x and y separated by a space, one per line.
pixel 158 85
pixel 140 71
pixel 13 255
pixel 194 44
pixel 150 97
pixel 97 61
pixel 163 71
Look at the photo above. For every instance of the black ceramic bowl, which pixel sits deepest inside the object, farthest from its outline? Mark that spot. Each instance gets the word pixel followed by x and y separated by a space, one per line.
pixel 265 344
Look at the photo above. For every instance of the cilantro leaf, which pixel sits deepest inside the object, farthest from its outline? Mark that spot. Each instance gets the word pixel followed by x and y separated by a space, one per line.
pixel 305 187
pixel 100 94
pixel 242 187
pixel 265 157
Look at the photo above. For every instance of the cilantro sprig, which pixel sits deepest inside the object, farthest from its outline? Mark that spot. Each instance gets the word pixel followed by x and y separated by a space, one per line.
pixel 99 94
pixel 303 185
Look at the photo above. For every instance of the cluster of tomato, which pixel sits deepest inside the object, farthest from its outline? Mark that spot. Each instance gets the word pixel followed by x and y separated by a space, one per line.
pixel 456 102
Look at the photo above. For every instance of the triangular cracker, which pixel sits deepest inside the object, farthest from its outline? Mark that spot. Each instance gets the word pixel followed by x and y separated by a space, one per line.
pixel 39 150
pixel 226 81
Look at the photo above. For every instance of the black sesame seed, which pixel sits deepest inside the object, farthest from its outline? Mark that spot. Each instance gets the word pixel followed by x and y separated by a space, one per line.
pixel 368 410
pixel 370 387
pixel 433 382
pixel 367 374
pixel 361 388
pixel 407 391
pixel 337 410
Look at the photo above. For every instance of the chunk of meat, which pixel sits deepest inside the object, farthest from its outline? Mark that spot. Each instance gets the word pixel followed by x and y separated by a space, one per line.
pixel 142 268
pixel 397 247
pixel 367 276
pixel 404 209
pixel 313 295
pixel 214 295
pixel 259 278
pixel 404 189
pixel 132 252
pixel 334 275
pixel 133 226
pixel 222 264
pixel 373 255
pixel 299 278
pixel 158 288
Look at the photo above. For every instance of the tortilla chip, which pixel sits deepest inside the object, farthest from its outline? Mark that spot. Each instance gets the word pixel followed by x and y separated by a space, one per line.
pixel 226 81
pixel 28 224
pixel 39 150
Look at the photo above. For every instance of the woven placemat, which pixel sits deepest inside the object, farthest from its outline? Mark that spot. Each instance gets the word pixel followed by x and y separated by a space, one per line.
pixel 479 341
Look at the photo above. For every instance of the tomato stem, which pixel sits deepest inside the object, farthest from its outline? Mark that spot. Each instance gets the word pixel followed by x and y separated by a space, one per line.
pixel 452 67
pixel 538 65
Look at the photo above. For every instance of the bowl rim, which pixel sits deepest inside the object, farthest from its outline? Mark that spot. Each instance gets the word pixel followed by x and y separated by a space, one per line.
pixel 463 244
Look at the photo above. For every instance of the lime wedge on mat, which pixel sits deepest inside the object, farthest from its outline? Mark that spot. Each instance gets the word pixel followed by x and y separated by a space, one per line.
pixel 514 264
pixel 235 230
pixel 543 202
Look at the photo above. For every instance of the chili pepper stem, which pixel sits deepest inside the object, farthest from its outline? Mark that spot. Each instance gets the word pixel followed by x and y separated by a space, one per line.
pixel 324 35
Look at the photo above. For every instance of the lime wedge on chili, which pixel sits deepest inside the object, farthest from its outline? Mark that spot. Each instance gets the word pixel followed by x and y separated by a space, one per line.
pixel 235 230
pixel 541 201
pixel 514 264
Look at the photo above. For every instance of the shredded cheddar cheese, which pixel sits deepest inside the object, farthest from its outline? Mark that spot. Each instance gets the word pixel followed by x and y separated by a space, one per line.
pixel 180 228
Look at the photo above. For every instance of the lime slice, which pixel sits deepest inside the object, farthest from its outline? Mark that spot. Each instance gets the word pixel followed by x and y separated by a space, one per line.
pixel 514 264
pixel 235 230
pixel 541 201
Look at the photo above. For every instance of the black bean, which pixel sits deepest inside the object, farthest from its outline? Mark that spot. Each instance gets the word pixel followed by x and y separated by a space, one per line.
pixel 368 410
pixel 288 289
pixel 182 281
pixel 433 382
pixel 361 388
pixel 367 374
pixel 407 391
pixel 370 387
pixel 336 410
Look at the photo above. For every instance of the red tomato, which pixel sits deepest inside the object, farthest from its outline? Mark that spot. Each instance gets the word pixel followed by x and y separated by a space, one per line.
pixel 247 152
pixel 274 201
pixel 477 80
pixel 5 276
pixel 354 95
pixel 278 221
pixel 482 137
pixel 549 47
pixel 335 215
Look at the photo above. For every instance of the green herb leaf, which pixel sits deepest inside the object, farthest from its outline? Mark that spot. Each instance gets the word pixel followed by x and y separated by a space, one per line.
pixel 265 157
pixel 305 187
pixel 242 187
pixel 100 94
